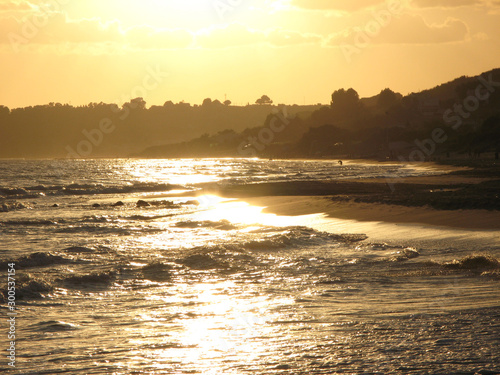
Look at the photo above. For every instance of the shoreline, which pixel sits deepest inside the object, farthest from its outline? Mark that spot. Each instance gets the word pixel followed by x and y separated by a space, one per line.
pixel 460 198
pixel 376 212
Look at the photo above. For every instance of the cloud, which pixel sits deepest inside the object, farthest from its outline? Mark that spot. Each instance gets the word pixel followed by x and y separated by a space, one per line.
pixel 446 3
pixel 237 35
pixel 11 5
pixel 149 38
pixel 279 38
pixel 407 29
pixel 54 29
pixel 230 36
pixel 343 5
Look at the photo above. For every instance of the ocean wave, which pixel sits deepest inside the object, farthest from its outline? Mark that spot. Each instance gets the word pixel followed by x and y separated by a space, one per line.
pixel 85 189
pixel 237 255
pixel 473 265
pixel 202 262
pixel 92 279
pixel 38 259
pixel 123 231
pixel 147 217
pixel 221 224
pixel 301 237
pixel 157 271
pixel 96 219
pixel 29 287
pixel 28 223
pixel 274 242
pixel 158 203
pixel 54 326
pixel 132 188
pixel 79 250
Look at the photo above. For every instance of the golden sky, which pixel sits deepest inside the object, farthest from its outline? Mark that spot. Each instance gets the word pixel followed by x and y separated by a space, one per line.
pixel 295 51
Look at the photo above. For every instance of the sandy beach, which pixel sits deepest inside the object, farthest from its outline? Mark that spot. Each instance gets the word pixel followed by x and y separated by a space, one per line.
pixel 464 198
pixel 306 205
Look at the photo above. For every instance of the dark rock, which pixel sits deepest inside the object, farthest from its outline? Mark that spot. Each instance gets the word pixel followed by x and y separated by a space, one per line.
pixel 7 207
pixel 96 205
pixel 119 204
pixel 142 203
pixel 166 204
pixel 488 372
pixel 474 262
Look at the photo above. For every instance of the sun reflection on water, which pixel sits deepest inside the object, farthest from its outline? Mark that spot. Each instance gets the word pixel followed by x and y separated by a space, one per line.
pixel 215 208
pixel 228 326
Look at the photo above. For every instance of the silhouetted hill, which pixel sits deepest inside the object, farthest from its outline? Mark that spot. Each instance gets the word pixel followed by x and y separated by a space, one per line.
pixel 106 130
pixel 457 117
pixel 460 116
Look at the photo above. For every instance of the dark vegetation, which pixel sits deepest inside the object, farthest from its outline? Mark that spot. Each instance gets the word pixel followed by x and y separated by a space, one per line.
pixel 46 131
pixel 458 119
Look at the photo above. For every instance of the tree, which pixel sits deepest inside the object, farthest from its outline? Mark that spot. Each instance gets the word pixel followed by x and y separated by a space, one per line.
pixel 136 103
pixel 227 102
pixel 264 99
pixel 207 102
pixel 345 101
pixel 387 98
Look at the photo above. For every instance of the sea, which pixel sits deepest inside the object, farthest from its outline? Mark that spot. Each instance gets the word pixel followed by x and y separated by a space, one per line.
pixel 128 266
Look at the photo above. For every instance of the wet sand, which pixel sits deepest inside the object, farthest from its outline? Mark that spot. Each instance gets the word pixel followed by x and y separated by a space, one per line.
pixel 465 198
pixel 306 205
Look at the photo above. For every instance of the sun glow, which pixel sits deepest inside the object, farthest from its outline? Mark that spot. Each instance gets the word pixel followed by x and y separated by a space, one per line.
pixel 192 15
pixel 191 5
pixel 215 209
pixel 225 324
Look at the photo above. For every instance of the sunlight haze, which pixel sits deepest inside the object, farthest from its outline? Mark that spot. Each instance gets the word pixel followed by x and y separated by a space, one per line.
pixel 295 51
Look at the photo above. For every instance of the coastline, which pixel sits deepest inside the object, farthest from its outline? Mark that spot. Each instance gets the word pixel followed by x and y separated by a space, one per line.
pixel 461 197
pixel 376 212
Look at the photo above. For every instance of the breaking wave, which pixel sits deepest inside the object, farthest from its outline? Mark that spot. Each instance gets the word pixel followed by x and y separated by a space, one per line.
pixel 474 262
pixel 29 287
pixel 84 189
pixel 301 237
pixel 157 271
pixel 97 278
pixel 27 223
pixel 54 326
pixel 38 259
pixel 221 225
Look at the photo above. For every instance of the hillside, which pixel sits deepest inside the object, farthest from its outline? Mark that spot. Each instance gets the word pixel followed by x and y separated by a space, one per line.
pixel 461 117
pixel 106 130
